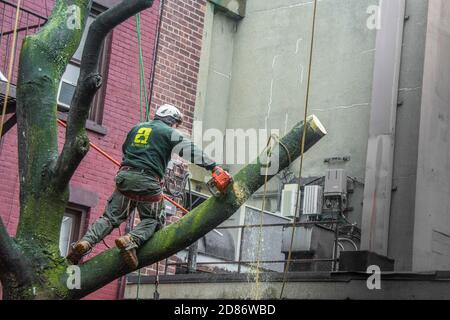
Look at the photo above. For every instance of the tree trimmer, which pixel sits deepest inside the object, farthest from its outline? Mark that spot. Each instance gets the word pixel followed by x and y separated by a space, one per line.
pixel 219 182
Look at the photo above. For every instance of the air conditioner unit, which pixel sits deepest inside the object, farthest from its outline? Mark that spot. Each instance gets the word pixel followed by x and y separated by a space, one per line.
pixel 312 200
pixel 289 197
pixel 65 93
pixel 335 182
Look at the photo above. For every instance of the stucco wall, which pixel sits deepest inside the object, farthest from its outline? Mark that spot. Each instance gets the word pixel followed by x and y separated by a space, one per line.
pixel 257 71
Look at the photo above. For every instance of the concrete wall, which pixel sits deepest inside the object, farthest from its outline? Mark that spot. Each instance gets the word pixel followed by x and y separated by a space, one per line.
pixel 407 135
pixel 254 75
pixel 394 286
pixel 432 221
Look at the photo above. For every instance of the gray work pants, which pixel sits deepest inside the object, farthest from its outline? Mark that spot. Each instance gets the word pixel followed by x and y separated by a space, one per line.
pixel 119 207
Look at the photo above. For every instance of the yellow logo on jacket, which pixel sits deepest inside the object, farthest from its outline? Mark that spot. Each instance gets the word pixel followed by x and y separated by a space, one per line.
pixel 142 136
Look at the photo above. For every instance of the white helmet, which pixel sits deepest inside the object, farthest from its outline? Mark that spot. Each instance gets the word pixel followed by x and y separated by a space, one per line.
pixel 169 114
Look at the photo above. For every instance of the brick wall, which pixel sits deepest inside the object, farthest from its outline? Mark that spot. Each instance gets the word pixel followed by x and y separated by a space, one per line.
pixel 121 111
pixel 179 56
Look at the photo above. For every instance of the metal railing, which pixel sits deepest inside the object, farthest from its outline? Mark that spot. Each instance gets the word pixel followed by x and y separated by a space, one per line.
pixel 29 22
pixel 251 263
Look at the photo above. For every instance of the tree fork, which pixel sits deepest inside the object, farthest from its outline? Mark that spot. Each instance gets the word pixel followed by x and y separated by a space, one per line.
pixel 108 266
pixel 77 142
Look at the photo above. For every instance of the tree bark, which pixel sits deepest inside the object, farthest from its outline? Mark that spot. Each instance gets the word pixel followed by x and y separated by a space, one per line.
pixel 15 271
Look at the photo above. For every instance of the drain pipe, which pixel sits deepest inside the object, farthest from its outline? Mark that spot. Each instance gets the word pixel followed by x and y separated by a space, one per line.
pixel 381 143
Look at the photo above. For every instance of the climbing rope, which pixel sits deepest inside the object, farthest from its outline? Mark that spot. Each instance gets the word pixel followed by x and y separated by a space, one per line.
pixel 142 87
pixel 10 66
pixel 302 148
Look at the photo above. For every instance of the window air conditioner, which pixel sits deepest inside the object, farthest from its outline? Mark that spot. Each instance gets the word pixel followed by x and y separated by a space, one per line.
pixel 65 93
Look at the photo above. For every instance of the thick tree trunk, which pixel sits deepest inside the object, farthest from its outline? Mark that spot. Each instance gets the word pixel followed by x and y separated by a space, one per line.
pixel 43 59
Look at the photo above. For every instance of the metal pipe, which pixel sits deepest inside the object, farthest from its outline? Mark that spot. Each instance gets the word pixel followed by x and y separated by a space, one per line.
pixel 278 224
pixel 351 241
pixel 193 249
pixel 241 247
pixel 252 262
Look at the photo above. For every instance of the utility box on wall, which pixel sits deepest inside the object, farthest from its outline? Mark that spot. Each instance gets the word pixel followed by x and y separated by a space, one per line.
pixel 335 182
pixel 289 197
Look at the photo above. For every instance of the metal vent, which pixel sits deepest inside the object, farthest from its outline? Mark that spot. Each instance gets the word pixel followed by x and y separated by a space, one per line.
pixel 312 200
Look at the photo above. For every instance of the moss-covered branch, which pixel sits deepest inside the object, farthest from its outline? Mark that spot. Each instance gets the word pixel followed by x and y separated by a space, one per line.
pixel 77 142
pixel 108 266
pixel 15 271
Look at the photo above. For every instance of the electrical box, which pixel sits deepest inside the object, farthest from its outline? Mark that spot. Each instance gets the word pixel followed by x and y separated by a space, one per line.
pixel 312 200
pixel 335 182
pixel 289 197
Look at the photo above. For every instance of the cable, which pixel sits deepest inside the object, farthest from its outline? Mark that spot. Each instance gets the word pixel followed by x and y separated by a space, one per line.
pixel 155 53
pixel 10 66
pixel 308 91
pixel 142 87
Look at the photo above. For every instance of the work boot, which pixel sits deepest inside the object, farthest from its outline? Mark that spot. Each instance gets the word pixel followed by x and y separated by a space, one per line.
pixel 78 250
pixel 128 251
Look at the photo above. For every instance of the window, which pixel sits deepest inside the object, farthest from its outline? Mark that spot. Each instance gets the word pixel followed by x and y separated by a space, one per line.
pixel 71 228
pixel 70 76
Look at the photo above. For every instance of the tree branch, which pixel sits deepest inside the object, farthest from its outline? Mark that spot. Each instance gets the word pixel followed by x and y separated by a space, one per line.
pixel 14 270
pixel 77 141
pixel 108 266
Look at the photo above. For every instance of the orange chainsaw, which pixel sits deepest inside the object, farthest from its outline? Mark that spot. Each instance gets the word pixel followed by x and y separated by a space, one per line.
pixel 219 182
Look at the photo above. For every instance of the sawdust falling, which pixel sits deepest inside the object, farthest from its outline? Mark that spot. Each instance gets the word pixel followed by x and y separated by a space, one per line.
pixel 240 192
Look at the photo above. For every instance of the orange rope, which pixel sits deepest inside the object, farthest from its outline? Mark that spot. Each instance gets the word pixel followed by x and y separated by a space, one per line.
pixel 103 153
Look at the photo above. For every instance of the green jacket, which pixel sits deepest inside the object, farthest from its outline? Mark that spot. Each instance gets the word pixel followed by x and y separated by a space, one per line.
pixel 149 145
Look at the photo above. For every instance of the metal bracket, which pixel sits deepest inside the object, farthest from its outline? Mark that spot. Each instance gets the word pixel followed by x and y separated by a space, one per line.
pixel 337 159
